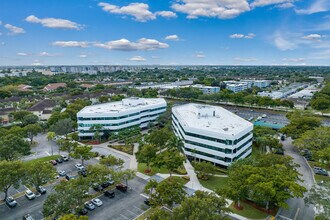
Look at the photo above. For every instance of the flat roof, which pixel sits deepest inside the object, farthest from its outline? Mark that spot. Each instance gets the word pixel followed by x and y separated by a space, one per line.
pixel 121 106
pixel 210 118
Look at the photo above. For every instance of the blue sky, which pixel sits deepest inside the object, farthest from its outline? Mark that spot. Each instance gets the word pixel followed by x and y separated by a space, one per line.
pixel 176 32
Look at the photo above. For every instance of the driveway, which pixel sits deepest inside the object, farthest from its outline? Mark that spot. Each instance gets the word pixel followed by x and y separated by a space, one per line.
pixel 297 207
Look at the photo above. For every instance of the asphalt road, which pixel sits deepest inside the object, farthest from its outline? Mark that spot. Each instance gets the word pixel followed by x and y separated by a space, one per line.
pixel 297 208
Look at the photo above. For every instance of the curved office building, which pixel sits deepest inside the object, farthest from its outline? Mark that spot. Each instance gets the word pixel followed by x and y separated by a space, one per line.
pixel 114 116
pixel 212 133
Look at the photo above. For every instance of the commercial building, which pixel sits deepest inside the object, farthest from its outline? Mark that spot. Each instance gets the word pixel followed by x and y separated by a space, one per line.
pixel 284 92
pixel 239 86
pixel 114 116
pixel 212 133
pixel 207 89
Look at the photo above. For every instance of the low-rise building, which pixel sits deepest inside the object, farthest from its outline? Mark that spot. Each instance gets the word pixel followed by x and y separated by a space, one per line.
pixel 114 116
pixel 212 133
pixel 207 89
pixel 43 109
pixel 53 86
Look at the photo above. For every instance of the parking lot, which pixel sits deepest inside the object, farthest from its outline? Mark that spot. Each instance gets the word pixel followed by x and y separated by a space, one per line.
pixel 125 205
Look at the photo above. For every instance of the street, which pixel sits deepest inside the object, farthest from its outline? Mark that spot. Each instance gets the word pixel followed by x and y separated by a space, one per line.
pixel 297 208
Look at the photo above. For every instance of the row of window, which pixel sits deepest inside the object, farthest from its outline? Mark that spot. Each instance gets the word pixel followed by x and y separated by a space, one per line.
pixel 241 154
pixel 193 151
pixel 226 150
pixel 116 124
pixel 226 142
pixel 119 117
pixel 87 131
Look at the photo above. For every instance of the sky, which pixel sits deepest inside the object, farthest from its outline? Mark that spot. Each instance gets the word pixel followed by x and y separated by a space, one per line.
pixel 165 32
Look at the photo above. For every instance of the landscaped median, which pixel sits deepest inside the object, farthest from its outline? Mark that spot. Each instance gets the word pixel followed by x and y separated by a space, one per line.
pixel 142 168
pixel 249 211
pixel 42 159
pixel 126 148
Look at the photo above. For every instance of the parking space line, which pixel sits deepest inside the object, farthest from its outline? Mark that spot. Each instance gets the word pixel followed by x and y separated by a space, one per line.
pixel 130 212
pixel 145 196
pixel 123 216
pixel 47 153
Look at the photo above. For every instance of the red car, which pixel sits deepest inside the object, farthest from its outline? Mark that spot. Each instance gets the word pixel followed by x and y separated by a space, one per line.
pixel 53 162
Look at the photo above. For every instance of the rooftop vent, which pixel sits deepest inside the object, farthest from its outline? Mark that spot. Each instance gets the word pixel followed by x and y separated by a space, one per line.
pixel 226 129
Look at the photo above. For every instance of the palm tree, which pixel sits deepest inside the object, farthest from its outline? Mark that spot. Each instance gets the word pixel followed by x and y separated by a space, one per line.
pixel 97 131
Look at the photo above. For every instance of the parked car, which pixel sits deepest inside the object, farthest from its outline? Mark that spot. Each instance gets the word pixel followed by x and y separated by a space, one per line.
pixel 27 217
pixel 59 160
pixel 53 162
pixel 69 177
pixel 11 202
pixel 282 137
pixel 107 183
pixel 97 187
pixel 65 158
pixel 305 152
pixel 97 202
pixel 82 211
pixel 82 172
pixel 29 194
pixel 320 171
pixel 110 194
pixel 121 187
pixel 79 166
pixel 147 202
pixel 279 151
pixel 61 172
pixel 41 189
pixel 89 205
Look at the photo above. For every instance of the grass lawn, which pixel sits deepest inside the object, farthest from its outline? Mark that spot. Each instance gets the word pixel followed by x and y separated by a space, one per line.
pixel 42 159
pixel 248 211
pixel 142 167
pixel 180 179
pixel 214 182
pixel 146 214
pixel 320 178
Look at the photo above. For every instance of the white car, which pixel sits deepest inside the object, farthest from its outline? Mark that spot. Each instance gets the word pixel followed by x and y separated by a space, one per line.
pixel 61 173
pixel 97 202
pixel 79 166
pixel 29 194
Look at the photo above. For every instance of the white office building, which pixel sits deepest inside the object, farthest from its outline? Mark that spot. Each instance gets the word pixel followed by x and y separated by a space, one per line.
pixel 207 89
pixel 212 133
pixel 114 116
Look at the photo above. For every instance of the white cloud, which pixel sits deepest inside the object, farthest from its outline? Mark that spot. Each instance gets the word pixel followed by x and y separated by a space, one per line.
pixel 239 59
pixel 13 30
pixel 285 5
pixel 82 44
pixel 45 54
pixel 166 14
pixel 200 55
pixel 173 37
pixel 137 58
pixel 83 56
pixel 36 63
pixel 283 43
pixel 262 3
pixel 316 7
pixel 223 9
pixel 238 36
pixel 294 60
pixel 126 45
pixel 54 22
pixel 315 37
pixel 139 11
pixel 22 54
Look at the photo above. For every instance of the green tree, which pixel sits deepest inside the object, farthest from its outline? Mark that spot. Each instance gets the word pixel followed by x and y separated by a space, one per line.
pixel 83 153
pixel 50 137
pixel 203 205
pixel 11 173
pixel 67 198
pixel 30 119
pixel 146 154
pixel 62 127
pixel 204 169
pixel 168 192
pixel 159 137
pixel 319 197
pixel 300 121
pixel 98 173
pixel 19 115
pixel 32 130
pixel 112 161
pixel 38 174
pixel 267 179
pixel 12 147
pixel 68 146
pixel 170 159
